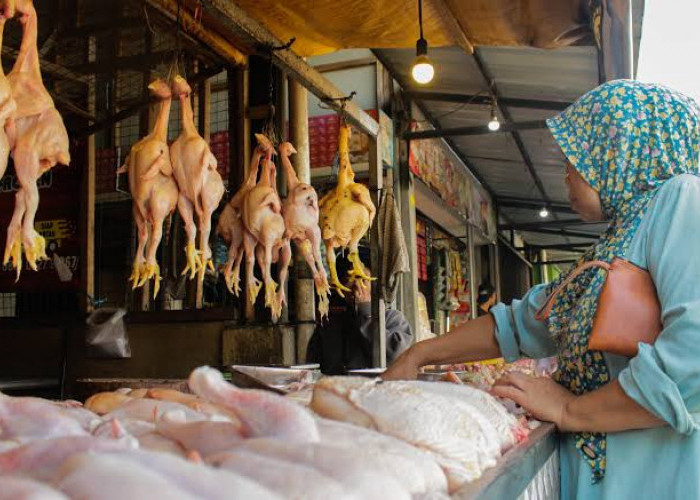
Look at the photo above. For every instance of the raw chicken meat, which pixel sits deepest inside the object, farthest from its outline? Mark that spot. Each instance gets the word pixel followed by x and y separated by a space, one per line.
pixel 507 426
pixel 201 187
pixel 199 479
pixel 353 470
pixel 230 226
pixel 204 437
pixel 113 477
pixel 300 212
pixel 463 443
pixel 8 106
pixel 22 488
pixel 27 418
pixel 262 413
pixel 38 139
pixel 420 472
pixel 40 459
pixel 104 402
pixel 294 481
pixel 347 212
pixel 153 189
pixel 264 237
pixel 149 409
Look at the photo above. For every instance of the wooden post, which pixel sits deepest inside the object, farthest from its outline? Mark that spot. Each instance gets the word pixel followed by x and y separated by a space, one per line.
pixel 89 195
pixel 376 181
pixel 472 271
pixel 304 303
pixel 204 115
pixel 239 147
pixel 407 204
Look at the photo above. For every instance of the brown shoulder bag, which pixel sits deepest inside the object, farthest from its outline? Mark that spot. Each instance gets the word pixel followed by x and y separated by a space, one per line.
pixel 628 311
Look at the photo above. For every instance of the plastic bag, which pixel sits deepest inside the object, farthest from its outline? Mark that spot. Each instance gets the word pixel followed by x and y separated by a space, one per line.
pixel 106 335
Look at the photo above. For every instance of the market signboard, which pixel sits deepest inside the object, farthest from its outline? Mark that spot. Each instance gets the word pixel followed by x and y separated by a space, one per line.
pixel 58 221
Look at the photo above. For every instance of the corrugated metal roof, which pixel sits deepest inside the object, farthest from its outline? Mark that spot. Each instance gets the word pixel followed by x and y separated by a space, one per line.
pixel 560 76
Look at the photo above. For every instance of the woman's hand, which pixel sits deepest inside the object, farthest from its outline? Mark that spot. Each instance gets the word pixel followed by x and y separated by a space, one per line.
pixel 405 367
pixel 542 397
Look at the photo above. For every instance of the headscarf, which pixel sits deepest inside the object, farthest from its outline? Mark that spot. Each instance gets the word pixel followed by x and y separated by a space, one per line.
pixel 626 139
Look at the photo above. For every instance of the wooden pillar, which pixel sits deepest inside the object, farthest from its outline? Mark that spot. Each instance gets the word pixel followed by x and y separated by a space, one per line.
pixel 407 205
pixel 239 148
pixel 88 266
pixel 472 271
pixel 204 118
pixel 376 181
pixel 304 303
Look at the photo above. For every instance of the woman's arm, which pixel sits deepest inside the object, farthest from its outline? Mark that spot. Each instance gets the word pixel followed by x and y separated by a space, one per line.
pixel 607 409
pixel 472 341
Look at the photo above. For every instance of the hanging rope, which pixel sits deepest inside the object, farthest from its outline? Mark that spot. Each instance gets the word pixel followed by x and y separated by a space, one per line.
pixel 269 128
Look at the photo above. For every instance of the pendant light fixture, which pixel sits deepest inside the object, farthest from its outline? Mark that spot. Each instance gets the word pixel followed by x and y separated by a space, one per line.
pixel 544 213
pixel 422 70
pixel 494 124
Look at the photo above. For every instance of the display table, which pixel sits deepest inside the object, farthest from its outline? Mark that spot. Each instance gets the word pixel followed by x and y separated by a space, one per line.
pixel 530 470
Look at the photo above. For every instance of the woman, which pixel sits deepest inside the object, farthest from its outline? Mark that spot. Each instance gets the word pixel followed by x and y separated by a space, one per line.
pixel 633 151
pixel 485 299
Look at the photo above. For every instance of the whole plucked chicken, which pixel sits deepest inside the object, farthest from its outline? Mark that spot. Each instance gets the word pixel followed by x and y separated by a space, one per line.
pixel 8 106
pixel 153 189
pixel 38 139
pixel 230 226
pixel 347 212
pixel 264 237
pixel 201 187
pixel 300 212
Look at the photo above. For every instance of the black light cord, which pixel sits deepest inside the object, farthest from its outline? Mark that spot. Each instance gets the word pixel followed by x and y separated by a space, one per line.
pixel 420 17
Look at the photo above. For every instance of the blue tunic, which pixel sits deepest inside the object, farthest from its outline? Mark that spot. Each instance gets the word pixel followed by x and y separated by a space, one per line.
pixel 664 378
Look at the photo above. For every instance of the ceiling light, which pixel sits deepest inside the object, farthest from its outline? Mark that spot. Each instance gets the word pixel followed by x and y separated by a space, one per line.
pixel 422 69
pixel 544 213
pixel 494 124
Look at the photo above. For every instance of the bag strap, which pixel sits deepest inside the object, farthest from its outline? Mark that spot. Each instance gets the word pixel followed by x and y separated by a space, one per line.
pixel 546 309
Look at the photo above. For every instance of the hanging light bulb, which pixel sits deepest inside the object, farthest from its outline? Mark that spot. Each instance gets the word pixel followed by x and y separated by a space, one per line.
pixel 544 213
pixel 494 124
pixel 422 69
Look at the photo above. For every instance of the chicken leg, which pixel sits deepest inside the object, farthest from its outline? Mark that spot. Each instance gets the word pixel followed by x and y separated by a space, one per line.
pixel 8 106
pixel 38 137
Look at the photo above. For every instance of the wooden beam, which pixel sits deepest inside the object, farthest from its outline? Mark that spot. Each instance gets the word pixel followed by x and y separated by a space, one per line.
pixel 474 130
pixel 345 65
pixel 138 62
pixel 559 246
pixel 207 37
pixel 485 100
pixel 242 26
pixel 50 68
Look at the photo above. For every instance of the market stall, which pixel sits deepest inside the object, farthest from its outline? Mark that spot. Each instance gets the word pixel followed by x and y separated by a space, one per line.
pixel 220 168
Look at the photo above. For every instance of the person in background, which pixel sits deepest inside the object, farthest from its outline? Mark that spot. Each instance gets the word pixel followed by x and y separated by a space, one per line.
pixel 344 342
pixel 629 426
pixel 486 299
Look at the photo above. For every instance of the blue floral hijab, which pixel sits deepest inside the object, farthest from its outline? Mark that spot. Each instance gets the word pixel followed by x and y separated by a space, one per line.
pixel 626 139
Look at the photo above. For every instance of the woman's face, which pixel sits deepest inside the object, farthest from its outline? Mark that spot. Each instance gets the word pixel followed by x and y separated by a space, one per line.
pixel 584 200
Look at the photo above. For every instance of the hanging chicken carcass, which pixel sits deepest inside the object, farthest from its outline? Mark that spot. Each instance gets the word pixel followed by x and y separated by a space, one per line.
pixel 347 212
pixel 230 226
pixel 153 189
pixel 301 213
pixel 201 187
pixel 8 107
pixel 39 141
pixel 264 237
